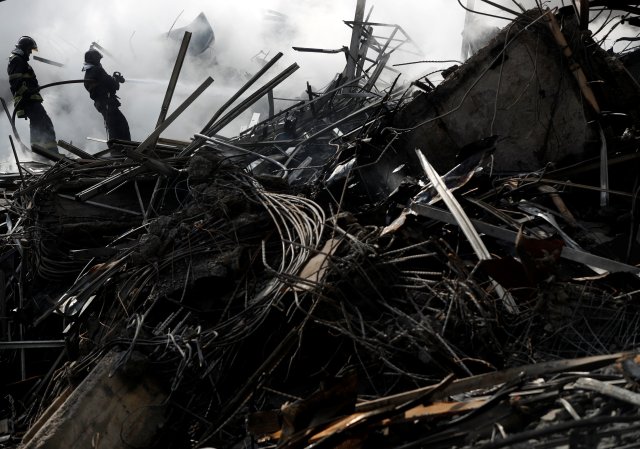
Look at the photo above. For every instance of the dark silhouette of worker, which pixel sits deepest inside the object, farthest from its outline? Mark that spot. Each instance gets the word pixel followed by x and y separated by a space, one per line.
pixel 26 95
pixel 102 89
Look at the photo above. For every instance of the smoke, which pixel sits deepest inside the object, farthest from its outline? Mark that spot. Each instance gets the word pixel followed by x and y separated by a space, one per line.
pixel 136 35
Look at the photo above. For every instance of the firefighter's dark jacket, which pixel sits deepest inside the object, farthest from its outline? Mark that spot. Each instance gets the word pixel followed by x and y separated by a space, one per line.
pixel 99 83
pixel 23 81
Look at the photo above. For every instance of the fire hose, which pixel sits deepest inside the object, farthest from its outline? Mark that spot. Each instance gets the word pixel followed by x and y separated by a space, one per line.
pixel 12 117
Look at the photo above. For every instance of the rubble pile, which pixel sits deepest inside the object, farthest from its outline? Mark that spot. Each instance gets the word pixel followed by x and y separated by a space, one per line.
pixel 377 265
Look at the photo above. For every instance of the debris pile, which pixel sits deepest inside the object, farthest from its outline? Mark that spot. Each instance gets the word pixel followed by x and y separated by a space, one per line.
pixel 375 266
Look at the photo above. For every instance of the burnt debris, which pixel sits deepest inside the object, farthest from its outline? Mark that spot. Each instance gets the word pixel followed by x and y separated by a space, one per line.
pixel 382 264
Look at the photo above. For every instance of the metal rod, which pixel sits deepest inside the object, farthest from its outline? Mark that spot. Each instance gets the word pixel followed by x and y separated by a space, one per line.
pixel 330 127
pixel 15 155
pixel 271 105
pixel 242 90
pixel 321 50
pixel 174 78
pixel 240 108
pixel 101 205
pixel 244 150
pixel 364 49
pixel 4 326
pixel 354 46
pixel 303 103
pixel 51 155
pixel 109 182
pixel 47 61
pixel 102 49
pixel 510 236
pixel 20 270
pixel 153 164
pixel 13 124
pixel 31 344
pixel 139 195
pixel 152 201
pixel 75 150
pixel 503 8
pixel 174 115
pixel 382 63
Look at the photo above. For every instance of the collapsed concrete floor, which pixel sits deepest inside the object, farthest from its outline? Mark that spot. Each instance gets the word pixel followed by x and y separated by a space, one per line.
pixel 314 282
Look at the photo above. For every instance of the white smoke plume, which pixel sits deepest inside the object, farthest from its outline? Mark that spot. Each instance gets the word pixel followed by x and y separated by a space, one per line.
pixel 136 34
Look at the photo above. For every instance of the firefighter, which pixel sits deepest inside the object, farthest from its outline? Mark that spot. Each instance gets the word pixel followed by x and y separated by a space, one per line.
pixel 102 90
pixel 26 95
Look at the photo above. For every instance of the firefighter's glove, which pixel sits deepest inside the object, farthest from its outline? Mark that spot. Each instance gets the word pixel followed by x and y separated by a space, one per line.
pixel 118 77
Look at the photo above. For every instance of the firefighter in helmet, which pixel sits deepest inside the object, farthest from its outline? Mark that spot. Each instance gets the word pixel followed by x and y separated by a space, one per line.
pixel 102 89
pixel 27 100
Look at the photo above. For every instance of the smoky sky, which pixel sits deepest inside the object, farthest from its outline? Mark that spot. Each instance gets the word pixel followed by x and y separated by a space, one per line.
pixel 135 33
